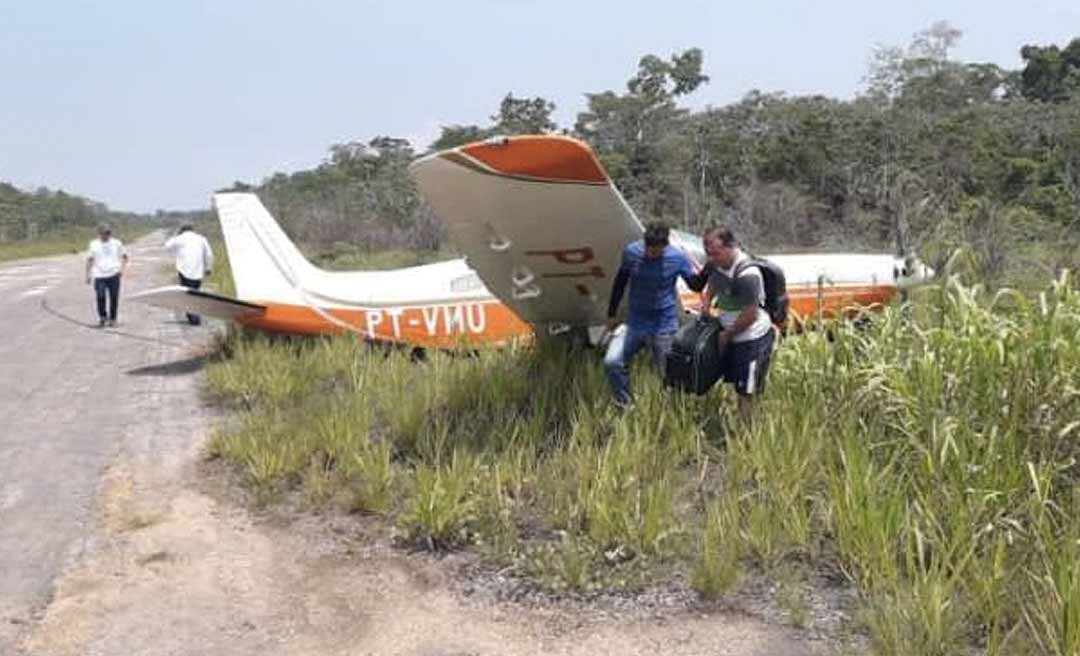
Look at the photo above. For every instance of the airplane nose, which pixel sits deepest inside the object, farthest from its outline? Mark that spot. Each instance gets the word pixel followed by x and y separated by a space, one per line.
pixel 912 274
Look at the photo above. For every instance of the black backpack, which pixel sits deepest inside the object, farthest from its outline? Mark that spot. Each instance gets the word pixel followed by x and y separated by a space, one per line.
pixel 775 284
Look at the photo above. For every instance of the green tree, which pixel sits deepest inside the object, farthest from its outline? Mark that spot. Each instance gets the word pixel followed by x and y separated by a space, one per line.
pixel 1050 74
pixel 524 116
pixel 452 136
pixel 923 77
pixel 635 133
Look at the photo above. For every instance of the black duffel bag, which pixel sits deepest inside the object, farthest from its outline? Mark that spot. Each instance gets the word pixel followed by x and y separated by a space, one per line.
pixel 693 365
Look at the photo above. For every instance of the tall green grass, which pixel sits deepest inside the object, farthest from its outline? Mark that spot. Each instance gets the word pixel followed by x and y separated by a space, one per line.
pixel 930 456
pixel 220 279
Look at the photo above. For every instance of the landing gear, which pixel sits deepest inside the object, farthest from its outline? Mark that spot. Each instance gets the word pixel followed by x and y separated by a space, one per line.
pixel 578 338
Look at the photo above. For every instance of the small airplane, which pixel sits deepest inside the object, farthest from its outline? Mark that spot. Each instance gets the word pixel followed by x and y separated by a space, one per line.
pixel 542 228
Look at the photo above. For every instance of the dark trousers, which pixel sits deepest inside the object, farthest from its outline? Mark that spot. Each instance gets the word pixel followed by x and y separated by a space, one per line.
pixel 191 283
pixel 107 286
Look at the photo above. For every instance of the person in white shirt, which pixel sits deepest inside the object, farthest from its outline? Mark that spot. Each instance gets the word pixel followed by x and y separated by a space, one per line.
pixel 736 292
pixel 194 260
pixel 105 264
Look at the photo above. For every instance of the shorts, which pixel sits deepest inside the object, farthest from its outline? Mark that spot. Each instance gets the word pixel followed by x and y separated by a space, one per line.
pixel 746 364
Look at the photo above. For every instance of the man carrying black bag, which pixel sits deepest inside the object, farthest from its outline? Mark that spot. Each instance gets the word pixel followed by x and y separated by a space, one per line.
pixel 651 268
pixel 737 292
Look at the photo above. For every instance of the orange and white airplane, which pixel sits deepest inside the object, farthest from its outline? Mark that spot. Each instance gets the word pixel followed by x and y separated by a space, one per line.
pixel 542 227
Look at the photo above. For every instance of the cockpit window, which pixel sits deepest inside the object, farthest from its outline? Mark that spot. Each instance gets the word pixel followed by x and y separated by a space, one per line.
pixel 689 242
pixel 465 283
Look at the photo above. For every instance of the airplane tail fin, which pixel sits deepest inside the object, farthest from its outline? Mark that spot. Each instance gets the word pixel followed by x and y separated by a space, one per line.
pixel 266 265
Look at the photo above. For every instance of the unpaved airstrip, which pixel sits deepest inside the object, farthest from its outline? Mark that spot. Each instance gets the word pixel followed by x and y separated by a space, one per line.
pixel 118 538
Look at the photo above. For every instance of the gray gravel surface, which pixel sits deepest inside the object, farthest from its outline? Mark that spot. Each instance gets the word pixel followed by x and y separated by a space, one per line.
pixel 66 400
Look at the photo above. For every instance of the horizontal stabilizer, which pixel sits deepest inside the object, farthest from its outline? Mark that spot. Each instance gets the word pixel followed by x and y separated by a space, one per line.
pixel 184 299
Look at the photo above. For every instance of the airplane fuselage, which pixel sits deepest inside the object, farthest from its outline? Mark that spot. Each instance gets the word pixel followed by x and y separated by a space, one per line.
pixel 542 229
pixel 491 323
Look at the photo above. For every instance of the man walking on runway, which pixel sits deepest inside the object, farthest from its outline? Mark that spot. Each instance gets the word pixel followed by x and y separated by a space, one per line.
pixel 194 260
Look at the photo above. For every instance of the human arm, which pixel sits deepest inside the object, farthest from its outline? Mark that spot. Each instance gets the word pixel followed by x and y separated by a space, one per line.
pixel 745 319
pixel 695 280
pixel 618 287
pixel 89 261
pixel 706 301
pixel 208 256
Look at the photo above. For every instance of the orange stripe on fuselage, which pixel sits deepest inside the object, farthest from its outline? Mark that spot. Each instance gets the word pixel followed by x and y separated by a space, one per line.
pixel 835 300
pixel 441 326
pixel 490 323
pixel 559 159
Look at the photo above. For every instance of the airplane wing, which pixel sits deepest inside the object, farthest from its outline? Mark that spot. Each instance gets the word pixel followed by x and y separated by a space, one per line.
pixel 539 221
pixel 184 299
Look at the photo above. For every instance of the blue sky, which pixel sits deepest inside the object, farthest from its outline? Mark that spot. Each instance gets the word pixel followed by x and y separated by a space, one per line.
pixel 147 105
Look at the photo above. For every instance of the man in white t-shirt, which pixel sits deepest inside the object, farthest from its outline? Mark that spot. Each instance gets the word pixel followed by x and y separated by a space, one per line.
pixel 737 292
pixel 194 260
pixel 105 264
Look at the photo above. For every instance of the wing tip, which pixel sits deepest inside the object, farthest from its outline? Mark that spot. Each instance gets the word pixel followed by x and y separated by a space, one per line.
pixel 538 157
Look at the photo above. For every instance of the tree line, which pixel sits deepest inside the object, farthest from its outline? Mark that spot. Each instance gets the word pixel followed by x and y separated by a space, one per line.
pixel 42 213
pixel 934 153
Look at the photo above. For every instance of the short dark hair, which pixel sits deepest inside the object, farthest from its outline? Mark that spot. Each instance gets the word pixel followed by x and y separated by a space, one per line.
pixel 656 234
pixel 186 227
pixel 723 233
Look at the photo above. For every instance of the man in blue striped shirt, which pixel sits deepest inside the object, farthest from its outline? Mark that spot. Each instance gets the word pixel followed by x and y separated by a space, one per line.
pixel 651 267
